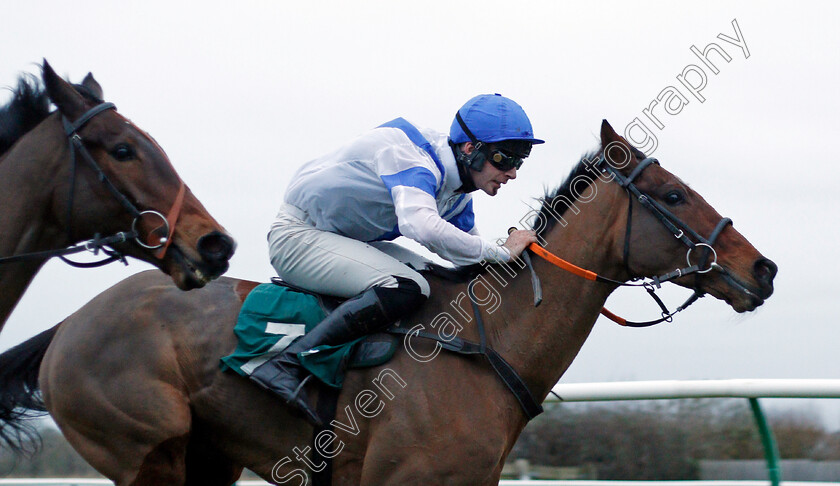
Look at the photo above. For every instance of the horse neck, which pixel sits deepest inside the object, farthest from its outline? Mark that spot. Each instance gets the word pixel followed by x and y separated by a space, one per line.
pixel 542 342
pixel 29 174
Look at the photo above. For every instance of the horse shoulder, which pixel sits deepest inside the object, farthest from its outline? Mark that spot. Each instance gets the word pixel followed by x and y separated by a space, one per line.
pixel 409 412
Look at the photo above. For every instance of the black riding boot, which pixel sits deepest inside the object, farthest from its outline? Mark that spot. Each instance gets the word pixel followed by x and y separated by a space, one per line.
pixel 370 311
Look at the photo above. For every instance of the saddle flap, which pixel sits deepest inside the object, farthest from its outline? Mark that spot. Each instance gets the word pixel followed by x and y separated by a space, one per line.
pixel 328 303
pixel 273 315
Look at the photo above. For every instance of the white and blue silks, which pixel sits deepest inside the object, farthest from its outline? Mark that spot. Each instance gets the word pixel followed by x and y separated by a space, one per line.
pixel 391 181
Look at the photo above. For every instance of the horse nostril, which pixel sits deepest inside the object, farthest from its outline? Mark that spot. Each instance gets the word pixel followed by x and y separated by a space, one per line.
pixel 765 271
pixel 216 247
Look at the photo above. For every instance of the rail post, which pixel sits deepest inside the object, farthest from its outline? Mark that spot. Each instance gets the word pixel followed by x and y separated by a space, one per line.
pixel 771 450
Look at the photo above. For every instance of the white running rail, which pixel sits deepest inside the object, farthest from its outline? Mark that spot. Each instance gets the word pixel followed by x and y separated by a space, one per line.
pixel 657 390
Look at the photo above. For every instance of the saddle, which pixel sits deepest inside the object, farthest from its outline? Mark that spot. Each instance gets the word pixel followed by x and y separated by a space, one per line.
pixel 276 313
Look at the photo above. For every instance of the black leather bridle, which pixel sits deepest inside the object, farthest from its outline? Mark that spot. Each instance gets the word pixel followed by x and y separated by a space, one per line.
pixel 692 239
pixel 682 231
pixel 98 243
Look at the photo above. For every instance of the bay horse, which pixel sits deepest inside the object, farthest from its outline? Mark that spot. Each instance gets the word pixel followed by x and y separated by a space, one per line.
pixel 133 378
pixel 85 172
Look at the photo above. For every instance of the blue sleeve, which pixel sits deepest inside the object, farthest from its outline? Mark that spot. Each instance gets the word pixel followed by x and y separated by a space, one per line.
pixel 419 177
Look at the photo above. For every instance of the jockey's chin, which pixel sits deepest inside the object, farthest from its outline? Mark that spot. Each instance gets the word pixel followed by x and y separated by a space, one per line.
pixel 490 179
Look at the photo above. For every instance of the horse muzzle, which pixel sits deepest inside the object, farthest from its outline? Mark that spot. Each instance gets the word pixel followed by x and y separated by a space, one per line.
pixel 213 252
pixel 741 296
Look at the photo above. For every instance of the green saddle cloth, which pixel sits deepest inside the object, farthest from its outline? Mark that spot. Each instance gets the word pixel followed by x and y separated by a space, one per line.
pixel 272 316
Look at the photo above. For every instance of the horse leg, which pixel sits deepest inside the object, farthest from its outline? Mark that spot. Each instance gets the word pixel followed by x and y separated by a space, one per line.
pixel 119 396
pixel 134 449
pixel 206 465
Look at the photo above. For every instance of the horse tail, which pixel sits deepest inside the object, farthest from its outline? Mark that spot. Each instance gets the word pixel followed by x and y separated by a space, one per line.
pixel 20 396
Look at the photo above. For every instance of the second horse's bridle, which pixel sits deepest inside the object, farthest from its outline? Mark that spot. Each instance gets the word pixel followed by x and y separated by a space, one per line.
pixel 77 151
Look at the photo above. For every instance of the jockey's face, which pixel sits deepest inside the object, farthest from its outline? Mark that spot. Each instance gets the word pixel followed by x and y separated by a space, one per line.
pixel 490 178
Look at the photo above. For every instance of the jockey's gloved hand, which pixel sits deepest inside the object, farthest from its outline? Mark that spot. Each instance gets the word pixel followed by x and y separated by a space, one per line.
pixel 518 240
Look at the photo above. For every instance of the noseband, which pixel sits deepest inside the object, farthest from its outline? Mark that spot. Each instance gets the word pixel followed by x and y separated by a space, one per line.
pixel 98 243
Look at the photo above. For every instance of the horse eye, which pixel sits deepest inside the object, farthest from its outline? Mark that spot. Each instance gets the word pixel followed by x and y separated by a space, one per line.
pixel 673 198
pixel 123 152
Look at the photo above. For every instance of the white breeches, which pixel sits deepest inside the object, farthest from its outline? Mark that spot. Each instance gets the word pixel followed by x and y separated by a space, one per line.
pixel 332 264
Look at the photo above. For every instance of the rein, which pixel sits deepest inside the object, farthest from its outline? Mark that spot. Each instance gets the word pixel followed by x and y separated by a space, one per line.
pixel 98 243
pixel 677 227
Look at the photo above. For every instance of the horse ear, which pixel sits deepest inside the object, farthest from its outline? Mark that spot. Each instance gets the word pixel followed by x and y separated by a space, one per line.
pixel 608 135
pixel 618 148
pixel 69 102
pixel 92 85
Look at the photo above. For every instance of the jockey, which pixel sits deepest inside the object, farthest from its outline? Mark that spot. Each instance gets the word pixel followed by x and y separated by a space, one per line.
pixel 340 210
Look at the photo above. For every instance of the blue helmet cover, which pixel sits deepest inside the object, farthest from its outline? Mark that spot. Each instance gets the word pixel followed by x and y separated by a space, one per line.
pixel 493 118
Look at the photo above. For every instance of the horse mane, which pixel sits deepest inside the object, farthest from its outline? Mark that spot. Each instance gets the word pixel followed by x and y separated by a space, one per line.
pixel 30 105
pixel 546 217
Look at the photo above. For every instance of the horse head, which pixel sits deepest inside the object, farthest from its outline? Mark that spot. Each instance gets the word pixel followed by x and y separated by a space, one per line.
pixel 670 229
pixel 129 182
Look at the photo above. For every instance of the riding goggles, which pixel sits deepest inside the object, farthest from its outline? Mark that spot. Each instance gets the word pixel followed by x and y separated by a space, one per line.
pixel 504 162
